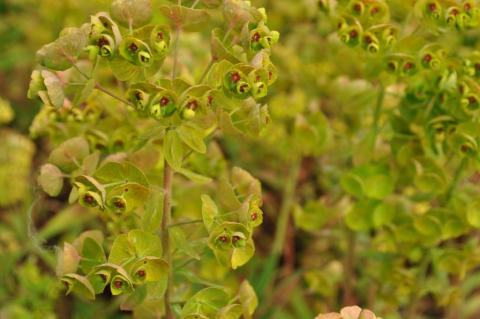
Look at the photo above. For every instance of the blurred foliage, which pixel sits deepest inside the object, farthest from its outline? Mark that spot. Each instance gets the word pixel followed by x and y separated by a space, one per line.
pixel 367 205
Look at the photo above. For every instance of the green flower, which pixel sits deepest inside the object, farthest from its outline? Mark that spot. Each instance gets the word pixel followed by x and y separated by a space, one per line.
pixel 160 40
pixel 163 105
pixel 136 52
pixel 90 199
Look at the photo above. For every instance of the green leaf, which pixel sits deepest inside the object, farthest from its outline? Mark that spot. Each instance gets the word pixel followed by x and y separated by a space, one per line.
pixel 54 88
pixel 359 218
pixel 206 302
pixel 473 213
pixel 92 255
pixel 227 196
pixel 383 214
pixel 68 260
pixel 135 244
pixel 209 211
pixel 132 12
pixel 233 311
pixel 84 91
pixel 248 299
pixel 173 150
pixel 125 171
pixel 68 155
pixel 352 184
pixel 378 186
pixel 51 179
pixel 245 184
pixel 241 256
pixel 186 18
pixel 428 225
pixel 312 217
pixel 152 215
pixel 192 136
pixel 197 178
pixel 62 54
pixel 134 194
pixel 123 70
pixel 219 51
pixel 181 243
pixel 79 285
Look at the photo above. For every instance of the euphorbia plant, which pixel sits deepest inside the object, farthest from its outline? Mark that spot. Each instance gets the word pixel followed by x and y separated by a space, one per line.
pixel 126 108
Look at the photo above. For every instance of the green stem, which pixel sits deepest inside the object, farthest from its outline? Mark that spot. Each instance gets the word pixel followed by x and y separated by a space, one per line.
pixel 269 271
pixel 204 75
pixel 196 221
pixel 166 217
pixel 175 52
pixel 456 178
pixel 288 200
pixel 376 115
pixel 113 95
pixel 195 4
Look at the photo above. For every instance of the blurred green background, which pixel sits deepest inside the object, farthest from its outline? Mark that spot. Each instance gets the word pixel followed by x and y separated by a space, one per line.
pixel 321 110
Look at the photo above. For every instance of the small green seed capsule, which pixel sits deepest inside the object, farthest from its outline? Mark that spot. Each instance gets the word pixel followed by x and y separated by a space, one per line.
pixel 259 90
pixel 223 241
pixel 118 204
pixel 189 108
pixel 105 45
pixel 351 36
pixel 139 99
pixel 433 9
pixel 356 7
pixel 119 285
pixel 238 240
pixel 243 88
pixel 408 68
pixel 90 199
pixel 188 114
pixel 93 52
pixel 144 58
pixel 160 40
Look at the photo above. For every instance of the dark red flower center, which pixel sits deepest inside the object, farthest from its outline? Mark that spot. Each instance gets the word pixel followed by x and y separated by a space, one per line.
pixel 118 284
pixel 223 239
pixel 102 41
pixel 133 47
pixel 427 58
pixel 353 33
pixel 141 273
pixel 235 77
pixel 256 37
pixel 254 216
pixel 164 101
